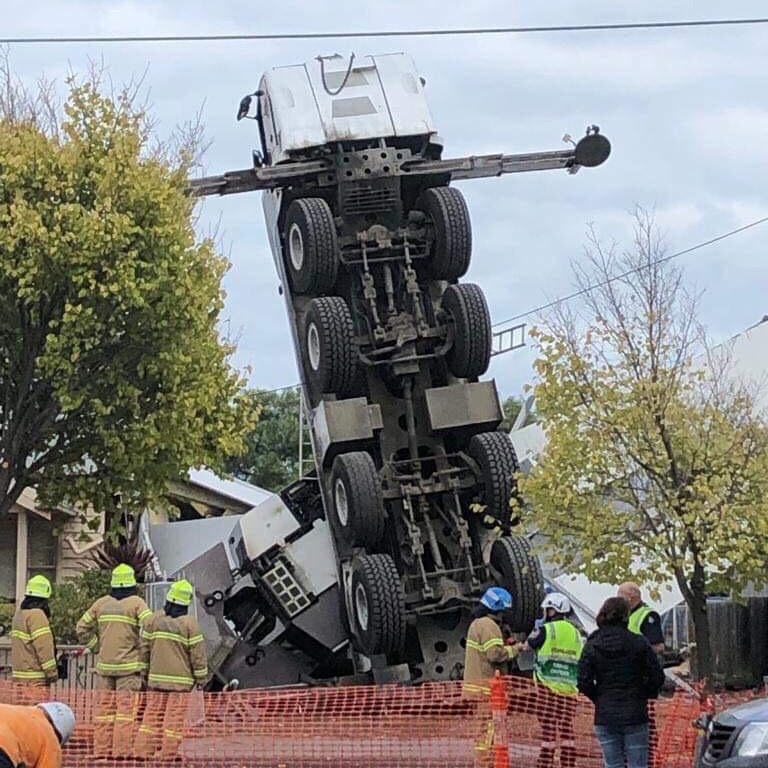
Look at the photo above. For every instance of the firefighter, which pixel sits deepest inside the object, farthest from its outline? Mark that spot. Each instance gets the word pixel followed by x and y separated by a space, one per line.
pixel 174 649
pixel 32 737
pixel 486 653
pixel 558 645
pixel 111 628
pixel 486 649
pixel 33 651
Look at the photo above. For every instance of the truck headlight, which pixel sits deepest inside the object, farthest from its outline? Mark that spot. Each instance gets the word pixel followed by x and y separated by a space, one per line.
pixel 753 740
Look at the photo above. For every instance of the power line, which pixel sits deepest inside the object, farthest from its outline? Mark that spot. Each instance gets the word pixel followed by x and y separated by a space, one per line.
pixel 384 33
pixel 601 284
pixel 608 281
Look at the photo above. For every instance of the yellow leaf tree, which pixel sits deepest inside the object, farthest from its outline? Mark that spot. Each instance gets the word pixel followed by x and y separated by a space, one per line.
pixel 113 375
pixel 656 463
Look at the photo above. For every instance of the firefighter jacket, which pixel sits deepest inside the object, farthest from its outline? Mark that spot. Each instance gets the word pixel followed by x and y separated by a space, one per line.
pixel 174 649
pixel 28 738
pixel 33 654
pixel 485 653
pixel 112 626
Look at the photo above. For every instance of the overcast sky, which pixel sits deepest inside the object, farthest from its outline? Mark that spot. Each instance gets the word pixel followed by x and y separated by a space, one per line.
pixel 686 112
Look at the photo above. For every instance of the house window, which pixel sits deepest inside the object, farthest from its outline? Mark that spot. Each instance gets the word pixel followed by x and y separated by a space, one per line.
pixel 41 548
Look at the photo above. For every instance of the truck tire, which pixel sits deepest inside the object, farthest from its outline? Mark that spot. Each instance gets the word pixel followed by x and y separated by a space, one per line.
pixel 446 209
pixel 470 354
pixel 521 574
pixel 358 506
pixel 328 347
pixel 495 456
pixel 378 605
pixel 311 246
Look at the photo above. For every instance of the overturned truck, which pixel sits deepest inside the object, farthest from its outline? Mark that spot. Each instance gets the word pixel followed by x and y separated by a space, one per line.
pixel 367 567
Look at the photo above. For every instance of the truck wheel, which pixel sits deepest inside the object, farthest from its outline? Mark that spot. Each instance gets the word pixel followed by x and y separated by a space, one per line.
pixel 311 246
pixel 328 347
pixel 496 457
pixel 446 209
pixel 378 605
pixel 358 506
pixel 521 573
pixel 470 355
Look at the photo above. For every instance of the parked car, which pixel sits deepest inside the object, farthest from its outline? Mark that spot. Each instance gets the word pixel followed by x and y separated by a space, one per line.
pixel 736 738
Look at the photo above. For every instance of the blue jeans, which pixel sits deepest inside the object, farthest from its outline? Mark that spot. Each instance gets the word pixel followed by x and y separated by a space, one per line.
pixel 623 744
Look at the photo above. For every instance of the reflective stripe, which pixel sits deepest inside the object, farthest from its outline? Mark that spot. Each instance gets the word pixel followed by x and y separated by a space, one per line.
pixel 19 635
pixel 50 664
pixel 203 672
pixel 155 678
pixel 87 618
pixel 19 675
pixel 476 688
pixel 123 719
pixel 126 666
pixel 92 643
pixel 40 632
pixel 148 729
pixel 105 718
pixel 145 614
pixel 483 647
pixel 173 636
pixel 108 618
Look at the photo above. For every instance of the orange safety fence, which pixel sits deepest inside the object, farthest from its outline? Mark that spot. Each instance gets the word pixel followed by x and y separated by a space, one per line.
pixel 425 726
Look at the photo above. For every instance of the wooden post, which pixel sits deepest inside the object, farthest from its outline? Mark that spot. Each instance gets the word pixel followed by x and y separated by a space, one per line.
pixel 22 549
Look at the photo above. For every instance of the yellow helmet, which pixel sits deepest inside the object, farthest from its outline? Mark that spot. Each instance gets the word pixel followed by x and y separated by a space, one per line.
pixel 123 576
pixel 181 592
pixel 38 586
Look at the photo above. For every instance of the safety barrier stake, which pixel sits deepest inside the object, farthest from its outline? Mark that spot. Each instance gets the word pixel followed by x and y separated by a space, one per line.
pixel 499 703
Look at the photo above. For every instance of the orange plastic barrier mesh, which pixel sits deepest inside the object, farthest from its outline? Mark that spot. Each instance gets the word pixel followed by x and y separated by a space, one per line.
pixel 426 726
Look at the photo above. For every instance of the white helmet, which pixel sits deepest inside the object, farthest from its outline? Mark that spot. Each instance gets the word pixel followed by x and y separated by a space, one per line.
pixel 62 719
pixel 557 602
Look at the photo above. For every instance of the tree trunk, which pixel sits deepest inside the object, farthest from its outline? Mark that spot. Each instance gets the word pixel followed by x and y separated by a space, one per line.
pixel 700 618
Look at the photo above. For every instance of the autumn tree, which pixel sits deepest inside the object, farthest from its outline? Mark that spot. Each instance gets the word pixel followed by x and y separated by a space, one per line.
pixel 271 457
pixel 656 463
pixel 113 375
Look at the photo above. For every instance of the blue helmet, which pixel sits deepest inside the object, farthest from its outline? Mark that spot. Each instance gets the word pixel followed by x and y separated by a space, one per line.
pixel 497 599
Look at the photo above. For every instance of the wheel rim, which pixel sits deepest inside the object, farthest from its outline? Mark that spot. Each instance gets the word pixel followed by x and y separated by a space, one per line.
pixel 342 504
pixel 313 346
pixel 296 247
pixel 361 607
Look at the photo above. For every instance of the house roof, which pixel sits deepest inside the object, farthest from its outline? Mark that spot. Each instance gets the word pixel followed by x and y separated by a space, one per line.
pixel 237 490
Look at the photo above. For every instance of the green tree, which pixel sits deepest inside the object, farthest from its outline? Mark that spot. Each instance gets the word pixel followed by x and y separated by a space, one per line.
pixel 113 376
pixel 511 407
pixel 271 458
pixel 656 465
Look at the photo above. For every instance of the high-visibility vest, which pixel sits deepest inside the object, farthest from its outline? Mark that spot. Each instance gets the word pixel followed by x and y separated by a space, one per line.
pixel 637 617
pixel 557 660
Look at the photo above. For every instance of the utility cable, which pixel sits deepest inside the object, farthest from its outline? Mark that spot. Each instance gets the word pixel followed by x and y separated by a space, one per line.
pixel 608 281
pixel 385 33
pixel 601 284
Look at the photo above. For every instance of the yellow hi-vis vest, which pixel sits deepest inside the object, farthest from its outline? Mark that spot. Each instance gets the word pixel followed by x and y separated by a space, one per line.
pixel 557 660
pixel 637 617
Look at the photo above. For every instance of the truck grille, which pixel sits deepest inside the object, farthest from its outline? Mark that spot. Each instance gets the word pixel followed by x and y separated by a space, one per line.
pixel 286 589
pixel 358 199
pixel 718 740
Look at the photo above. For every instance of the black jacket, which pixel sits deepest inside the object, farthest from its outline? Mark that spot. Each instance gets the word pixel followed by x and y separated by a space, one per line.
pixel 619 672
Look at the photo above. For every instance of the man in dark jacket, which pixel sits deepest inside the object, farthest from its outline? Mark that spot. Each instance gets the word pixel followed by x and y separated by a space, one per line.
pixel 619 671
